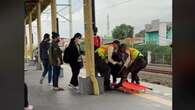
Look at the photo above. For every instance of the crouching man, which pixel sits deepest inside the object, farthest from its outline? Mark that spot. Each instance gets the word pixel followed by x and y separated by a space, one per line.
pixel 103 56
pixel 134 63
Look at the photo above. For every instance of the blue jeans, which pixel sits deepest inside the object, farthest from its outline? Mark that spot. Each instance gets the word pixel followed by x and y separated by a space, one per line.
pixel 56 73
pixel 47 69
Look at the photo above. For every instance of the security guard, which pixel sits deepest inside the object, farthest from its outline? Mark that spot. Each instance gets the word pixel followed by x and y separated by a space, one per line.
pixel 103 56
pixel 134 63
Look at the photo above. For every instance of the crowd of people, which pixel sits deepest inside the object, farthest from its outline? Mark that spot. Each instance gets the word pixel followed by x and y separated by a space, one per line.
pixel 52 59
pixel 114 59
pixel 118 60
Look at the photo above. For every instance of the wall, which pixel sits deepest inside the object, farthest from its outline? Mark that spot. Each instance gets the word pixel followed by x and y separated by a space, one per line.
pixel 164 35
pixel 151 37
pixel 169 34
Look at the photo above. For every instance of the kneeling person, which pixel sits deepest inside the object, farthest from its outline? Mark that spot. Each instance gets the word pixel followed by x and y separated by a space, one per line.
pixel 134 63
pixel 103 56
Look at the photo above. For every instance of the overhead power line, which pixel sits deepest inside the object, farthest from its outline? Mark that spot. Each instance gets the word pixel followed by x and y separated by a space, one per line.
pixel 114 5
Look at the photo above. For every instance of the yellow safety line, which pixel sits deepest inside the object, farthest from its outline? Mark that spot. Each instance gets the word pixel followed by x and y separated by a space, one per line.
pixel 155 99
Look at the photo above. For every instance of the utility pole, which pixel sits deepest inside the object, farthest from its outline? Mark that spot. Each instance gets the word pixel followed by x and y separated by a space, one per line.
pixel 57 21
pixel 70 18
pixel 89 45
pixel 108 25
pixel 93 17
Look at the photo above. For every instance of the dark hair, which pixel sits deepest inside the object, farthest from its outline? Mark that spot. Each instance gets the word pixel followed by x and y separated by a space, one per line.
pixel 95 30
pixel 77 35
pixel 116 42
pixel 46 36
pixel 55 35
pixel 123 46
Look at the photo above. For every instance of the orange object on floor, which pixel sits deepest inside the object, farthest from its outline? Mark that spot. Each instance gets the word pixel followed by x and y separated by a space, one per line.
pixel 132 87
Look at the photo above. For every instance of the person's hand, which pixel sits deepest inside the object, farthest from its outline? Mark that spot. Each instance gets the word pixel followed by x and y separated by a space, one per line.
pixel 59 62
pixel 120 63
pixel 106 61
pixel 121 71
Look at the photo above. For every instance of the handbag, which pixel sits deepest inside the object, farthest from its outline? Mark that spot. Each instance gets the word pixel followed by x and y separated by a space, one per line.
pixel 61 72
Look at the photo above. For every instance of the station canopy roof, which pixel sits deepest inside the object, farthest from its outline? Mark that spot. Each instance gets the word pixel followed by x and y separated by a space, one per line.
pixel 31 7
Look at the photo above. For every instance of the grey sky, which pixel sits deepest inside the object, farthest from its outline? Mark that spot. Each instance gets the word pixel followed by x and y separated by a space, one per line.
pixel 133 12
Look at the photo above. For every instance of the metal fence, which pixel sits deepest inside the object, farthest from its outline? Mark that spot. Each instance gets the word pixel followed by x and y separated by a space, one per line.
pixel 161 59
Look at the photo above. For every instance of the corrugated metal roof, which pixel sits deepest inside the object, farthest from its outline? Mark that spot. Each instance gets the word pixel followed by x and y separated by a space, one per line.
pixel 31 6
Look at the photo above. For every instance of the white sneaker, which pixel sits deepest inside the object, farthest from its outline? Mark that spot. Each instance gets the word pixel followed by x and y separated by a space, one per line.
pixel 30 107
pixel 71 86
pixel 50 84
pixel 77 88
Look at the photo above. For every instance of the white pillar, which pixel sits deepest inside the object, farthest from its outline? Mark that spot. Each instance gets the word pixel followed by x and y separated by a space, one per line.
pixel 149 57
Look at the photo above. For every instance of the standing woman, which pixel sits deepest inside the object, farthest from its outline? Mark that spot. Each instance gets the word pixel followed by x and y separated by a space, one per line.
pixel 75 59
pixel 55 56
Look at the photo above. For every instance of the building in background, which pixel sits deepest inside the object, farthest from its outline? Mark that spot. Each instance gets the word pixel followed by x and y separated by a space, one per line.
pixel 133 40
pixel 158 32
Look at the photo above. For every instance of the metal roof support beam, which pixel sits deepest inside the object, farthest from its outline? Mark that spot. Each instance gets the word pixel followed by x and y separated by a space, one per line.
pixel 25 40
pixel 70 18
pixel 30 50
pixel 39 21
pixel 39 32
pixel 89 46
pixel 53 16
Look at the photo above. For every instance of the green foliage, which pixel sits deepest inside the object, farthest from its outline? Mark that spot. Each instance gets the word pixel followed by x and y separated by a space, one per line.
pixel 122 31
pixel 158 52
pixel 140 34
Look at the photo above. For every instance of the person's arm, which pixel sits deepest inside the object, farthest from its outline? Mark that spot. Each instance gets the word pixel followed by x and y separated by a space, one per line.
pixel 60 61
pixel 128 60
pixel 110 52
pixel 41 52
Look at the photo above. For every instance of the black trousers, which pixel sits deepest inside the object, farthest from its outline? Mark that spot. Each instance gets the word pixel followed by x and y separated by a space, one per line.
pixel 25 95
pixel 75 67
pixel 136 66
pixel 56 73
pixel 104 69
pixel 47 69
pixel 114 71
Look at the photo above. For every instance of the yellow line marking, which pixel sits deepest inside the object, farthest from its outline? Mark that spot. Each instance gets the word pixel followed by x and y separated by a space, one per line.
pixel 155 99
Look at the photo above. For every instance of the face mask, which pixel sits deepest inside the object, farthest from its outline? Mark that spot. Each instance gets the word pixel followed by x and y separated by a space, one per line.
pixel 48 40
pixel 78 41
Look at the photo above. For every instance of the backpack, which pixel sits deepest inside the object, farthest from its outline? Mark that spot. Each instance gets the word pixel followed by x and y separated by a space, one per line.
pixel 66 57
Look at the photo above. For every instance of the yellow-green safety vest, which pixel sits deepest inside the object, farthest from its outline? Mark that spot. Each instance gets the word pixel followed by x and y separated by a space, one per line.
pixel 134 53
pixel 103 51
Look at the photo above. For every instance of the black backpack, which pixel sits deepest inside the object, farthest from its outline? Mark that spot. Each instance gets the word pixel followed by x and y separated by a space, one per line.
pixel 66 57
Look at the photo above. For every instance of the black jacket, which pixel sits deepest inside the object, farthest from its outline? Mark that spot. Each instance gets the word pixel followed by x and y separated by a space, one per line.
pixel 44 48
pixel 74 52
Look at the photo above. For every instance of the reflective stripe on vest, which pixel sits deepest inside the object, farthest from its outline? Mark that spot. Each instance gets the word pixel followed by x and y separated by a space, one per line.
pixel 134 53
pixel 103 51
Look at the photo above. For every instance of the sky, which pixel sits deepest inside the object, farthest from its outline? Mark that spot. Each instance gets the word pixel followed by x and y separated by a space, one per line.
pixel 136 13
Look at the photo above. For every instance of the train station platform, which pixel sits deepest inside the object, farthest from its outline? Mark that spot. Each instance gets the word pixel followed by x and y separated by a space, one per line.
pixel 44 98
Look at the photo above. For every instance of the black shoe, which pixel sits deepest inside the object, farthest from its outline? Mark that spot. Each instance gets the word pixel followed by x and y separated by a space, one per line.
pixel 137 82
pixel 117 86
pixel 108 89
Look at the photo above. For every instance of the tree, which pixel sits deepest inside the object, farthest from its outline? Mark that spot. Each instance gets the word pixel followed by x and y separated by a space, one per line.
pixel 122 31
pixel 140 34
